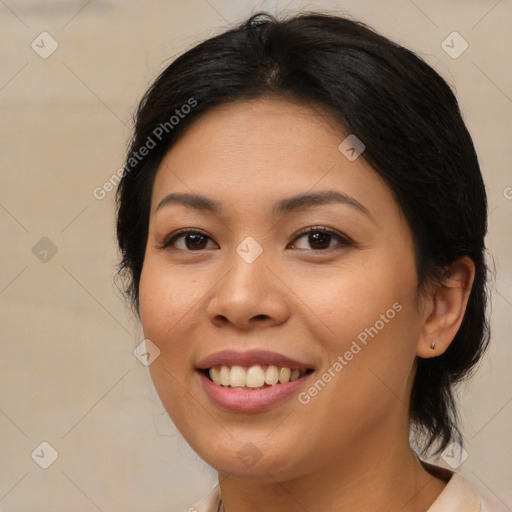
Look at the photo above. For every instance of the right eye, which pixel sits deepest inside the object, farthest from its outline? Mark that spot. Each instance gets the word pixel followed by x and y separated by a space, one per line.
pixel 187 240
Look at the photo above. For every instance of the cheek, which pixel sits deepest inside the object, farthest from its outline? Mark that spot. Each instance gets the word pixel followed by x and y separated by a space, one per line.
pixel 166 310
pixel 367 313
pixel 166 303
pixel 348 300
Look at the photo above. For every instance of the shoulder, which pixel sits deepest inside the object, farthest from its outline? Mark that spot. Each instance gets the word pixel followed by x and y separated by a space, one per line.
pixel 460 495
pixel 210 503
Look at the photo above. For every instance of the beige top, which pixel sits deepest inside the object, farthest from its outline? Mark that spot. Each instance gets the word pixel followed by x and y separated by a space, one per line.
pixel 458 496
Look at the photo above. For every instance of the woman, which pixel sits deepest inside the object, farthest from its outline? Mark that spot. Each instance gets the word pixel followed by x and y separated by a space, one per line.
pixel 301 221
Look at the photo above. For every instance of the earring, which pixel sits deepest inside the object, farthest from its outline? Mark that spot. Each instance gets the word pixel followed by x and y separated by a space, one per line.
pixel 433 346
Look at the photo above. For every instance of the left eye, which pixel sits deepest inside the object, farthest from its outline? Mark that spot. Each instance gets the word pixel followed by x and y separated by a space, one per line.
pixel 320 239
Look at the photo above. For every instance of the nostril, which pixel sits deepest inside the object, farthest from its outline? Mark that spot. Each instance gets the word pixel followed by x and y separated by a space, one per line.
pixel 261 317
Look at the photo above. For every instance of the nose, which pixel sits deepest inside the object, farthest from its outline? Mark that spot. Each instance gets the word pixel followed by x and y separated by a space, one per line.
pixel 248 296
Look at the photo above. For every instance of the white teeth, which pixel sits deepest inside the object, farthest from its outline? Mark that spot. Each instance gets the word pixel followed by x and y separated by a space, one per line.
pixel 272 375
pixel 215 375
pixel 237 377
pixel 254 377
pixel 224 376
pixel 284 375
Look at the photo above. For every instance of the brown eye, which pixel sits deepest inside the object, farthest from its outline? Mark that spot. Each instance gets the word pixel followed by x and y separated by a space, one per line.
pixel 320 239
pixel 188 241
pixel 195 241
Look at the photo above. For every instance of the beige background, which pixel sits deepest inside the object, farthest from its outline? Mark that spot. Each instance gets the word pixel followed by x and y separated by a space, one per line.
pixel 67 372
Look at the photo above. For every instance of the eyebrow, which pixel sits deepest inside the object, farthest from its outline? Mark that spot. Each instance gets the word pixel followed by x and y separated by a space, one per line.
pixel 281 208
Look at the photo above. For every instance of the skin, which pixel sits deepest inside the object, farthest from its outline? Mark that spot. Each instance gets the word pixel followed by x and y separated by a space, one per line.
pixel 347 449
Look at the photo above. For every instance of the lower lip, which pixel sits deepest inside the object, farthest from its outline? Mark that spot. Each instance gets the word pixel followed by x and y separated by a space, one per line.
pixel 240 400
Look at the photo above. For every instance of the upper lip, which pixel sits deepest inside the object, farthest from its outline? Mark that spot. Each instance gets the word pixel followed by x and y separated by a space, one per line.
pixel 249 358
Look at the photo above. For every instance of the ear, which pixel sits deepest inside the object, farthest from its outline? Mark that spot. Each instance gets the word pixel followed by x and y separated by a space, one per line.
pixel 444 309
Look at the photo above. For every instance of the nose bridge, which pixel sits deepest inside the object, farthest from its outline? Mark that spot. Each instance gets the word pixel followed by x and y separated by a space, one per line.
pixel 247 275
pixel 248 291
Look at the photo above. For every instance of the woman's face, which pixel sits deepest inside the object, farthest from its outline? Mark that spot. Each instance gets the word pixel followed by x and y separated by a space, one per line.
pixel 327 281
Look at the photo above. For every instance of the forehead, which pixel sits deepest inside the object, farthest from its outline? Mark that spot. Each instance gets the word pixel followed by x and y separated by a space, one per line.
pixel 268 120
pixel 269 148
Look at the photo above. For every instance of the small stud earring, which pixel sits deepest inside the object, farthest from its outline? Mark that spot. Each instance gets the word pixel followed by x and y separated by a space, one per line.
pixel 433 346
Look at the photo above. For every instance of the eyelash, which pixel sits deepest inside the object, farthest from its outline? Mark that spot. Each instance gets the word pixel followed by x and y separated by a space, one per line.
pixel 343 240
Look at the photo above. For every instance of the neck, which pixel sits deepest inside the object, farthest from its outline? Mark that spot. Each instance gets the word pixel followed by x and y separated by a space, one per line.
pixel 389 478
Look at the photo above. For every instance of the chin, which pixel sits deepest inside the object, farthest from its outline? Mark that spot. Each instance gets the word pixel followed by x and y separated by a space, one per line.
pixel 248 461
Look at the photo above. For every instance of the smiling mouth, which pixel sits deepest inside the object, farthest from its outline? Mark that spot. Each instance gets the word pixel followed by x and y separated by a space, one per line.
pixel 253 377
